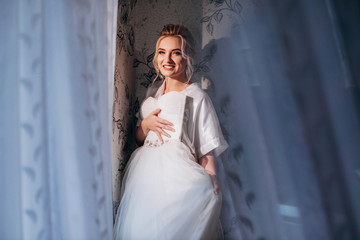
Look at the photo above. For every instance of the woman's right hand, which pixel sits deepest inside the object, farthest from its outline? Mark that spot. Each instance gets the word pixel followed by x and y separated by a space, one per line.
pixel 157 125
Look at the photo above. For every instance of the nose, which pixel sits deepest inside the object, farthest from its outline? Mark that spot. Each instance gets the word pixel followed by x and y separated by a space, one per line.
pixel 168 58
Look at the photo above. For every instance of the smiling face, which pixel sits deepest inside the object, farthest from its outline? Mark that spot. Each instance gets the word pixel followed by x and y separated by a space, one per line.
pixel 170 59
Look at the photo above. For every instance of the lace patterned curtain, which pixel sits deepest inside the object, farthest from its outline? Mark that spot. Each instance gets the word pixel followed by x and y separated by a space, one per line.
pixel 56 80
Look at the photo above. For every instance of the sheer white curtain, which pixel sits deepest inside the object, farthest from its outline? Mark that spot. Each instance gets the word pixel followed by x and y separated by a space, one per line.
pixel 56 78
pixel 290 108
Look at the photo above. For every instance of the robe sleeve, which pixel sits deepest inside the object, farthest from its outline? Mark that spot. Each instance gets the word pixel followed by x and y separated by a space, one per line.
pixel 208 134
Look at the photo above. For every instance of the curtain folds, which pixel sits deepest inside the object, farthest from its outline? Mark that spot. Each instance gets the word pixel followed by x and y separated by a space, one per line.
pixel 57 61
pixel 287 94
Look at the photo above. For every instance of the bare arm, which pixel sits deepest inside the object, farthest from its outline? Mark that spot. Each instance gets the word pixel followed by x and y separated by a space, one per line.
pixel 208 163
pixel 141 133
pixel 155 124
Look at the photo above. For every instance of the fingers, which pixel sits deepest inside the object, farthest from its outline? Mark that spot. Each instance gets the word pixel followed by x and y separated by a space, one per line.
pixel 159 131
pixel 163 121
pixel 156 111
pixel 215 184
pixel 163 126
pixel 163 132
pixel 158 125
pixel 216 189
pixel 159 136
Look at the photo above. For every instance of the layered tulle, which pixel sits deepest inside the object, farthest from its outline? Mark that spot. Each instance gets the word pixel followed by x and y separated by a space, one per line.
pixel 166 194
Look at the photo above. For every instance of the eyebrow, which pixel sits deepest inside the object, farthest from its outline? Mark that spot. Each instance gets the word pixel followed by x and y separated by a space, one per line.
pixel 177 49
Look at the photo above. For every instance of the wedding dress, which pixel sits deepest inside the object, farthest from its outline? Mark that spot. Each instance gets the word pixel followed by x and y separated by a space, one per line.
pixel 166 194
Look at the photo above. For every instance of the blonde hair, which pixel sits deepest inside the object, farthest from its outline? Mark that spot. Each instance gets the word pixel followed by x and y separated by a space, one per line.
pixel 187 47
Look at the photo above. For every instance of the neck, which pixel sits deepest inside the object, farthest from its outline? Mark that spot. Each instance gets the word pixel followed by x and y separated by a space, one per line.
pixel 178 85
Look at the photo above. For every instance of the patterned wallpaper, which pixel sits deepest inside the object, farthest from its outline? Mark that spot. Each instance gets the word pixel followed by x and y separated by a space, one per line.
pixel 210 21
pixel 125 104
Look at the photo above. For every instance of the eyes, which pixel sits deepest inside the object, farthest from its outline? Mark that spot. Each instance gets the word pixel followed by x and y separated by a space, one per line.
pixel 176 53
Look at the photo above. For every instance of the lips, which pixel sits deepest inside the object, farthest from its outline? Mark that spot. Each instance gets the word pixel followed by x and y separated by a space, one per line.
pixel 168 67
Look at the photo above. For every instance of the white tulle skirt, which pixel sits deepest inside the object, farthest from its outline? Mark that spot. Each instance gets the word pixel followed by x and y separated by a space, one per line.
pixel 166 194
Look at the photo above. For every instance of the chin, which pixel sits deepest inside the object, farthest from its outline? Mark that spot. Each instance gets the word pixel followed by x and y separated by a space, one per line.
pixel 167 74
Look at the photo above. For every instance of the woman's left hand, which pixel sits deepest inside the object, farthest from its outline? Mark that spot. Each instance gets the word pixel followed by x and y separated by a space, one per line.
pixel 207 161
pixel 215 183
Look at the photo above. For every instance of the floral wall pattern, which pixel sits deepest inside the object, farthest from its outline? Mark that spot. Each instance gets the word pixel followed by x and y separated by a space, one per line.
pixel 125 104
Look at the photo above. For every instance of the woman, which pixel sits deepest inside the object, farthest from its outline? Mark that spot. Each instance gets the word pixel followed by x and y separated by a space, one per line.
pixel 170 190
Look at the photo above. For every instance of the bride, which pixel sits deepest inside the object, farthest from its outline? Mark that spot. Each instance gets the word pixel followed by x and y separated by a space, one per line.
pixel 170 189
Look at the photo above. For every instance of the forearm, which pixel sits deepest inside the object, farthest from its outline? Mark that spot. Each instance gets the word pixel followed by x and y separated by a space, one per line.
pixel 141 133
pixel 208 163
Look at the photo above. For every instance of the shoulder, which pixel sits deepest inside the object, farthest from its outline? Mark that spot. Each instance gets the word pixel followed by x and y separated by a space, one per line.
pixel 201 102
pixel 197 93
pixel 152 89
